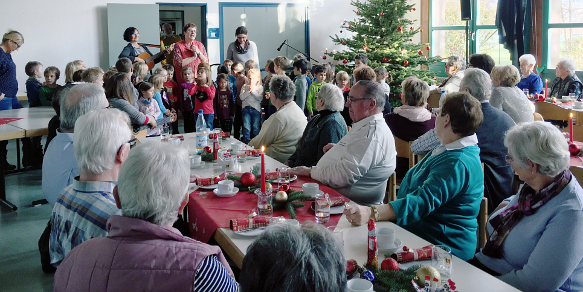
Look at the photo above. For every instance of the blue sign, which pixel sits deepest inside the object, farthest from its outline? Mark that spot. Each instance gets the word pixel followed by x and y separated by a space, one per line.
pixel 213 33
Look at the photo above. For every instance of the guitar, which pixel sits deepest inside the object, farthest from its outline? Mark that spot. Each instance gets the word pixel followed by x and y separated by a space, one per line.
pixel 156 58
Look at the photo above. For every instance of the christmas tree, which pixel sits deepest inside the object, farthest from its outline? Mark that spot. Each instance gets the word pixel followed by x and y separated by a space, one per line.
pixel 382 32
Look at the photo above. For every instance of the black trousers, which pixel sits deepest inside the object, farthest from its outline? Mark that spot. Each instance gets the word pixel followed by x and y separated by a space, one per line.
pixel 189 122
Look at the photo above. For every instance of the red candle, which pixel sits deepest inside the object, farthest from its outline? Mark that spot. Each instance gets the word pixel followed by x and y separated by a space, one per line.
pixel 571 128
pixel 546 87
pixel 263 168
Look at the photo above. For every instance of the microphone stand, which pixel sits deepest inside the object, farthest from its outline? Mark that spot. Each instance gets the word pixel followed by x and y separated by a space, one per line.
pixel 310 58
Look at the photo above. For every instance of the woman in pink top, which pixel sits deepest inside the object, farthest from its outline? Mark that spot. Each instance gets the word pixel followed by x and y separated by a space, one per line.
pixel 189 52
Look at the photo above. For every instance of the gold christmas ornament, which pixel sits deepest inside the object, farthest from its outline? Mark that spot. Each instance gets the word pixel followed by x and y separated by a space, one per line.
pixel 281 196
pixel 427 271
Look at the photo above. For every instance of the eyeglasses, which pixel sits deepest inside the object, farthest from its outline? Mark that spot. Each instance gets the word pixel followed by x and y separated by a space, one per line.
pixel 508 159
pixel 17 45
pixel 191 30
pixel 351 100
pixel 133 142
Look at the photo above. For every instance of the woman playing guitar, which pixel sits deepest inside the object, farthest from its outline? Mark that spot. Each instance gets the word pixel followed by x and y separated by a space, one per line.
pixel 137 53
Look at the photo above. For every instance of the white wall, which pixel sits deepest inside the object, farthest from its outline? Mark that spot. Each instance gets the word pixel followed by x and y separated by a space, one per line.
pixel 57 32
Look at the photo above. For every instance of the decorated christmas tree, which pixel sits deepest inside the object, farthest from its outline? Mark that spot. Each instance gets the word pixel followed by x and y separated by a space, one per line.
pixel 382 32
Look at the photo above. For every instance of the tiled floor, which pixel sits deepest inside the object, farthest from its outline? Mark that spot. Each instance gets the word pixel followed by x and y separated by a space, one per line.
pixel 20 268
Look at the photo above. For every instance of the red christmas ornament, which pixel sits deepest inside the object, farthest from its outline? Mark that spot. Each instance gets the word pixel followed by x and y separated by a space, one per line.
pixel 247 179
pixel 411 28
pixel 410 40
pixel 384 60
pixel 574 149
pixel 421 30
pixel 382 14
pixel 399 28
pixel 420 52
pixel 349 26
pixel 400 95
pixel 365 48
pixel 405 248
pixel 351 266
pixel 344 23
pixel 405 62
pixel 343 43
pixel 344 61
pixel 208 149
pixel 284 187
pixel 428 48
pixel 414 9
pixel 340 31
pixel 390 264
pixel 357 12
pixel 324 57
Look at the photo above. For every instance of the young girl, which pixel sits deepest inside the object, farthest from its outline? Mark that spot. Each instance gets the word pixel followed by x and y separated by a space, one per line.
pixel 251 95
pixel 157 81
pixel 224 105
pixel 71 68
pixel 148 105
pixel 184 100
pixel 342 81
pixel 204 93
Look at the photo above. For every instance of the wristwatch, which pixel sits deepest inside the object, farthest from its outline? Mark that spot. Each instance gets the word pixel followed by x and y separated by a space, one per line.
pixel 374 213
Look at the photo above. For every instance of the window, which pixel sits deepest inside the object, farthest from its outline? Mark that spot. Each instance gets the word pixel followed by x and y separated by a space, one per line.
pixel 447 30
pixel 563 20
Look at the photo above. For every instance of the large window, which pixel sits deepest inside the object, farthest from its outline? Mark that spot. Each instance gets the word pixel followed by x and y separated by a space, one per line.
pixel 563 20
pixel 447 30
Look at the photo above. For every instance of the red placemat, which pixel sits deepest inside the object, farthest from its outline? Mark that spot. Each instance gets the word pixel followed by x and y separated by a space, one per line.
pixel 207 212
pixel 8 120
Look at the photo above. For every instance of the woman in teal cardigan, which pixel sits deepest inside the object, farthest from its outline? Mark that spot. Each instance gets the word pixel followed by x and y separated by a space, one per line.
pixel 439 198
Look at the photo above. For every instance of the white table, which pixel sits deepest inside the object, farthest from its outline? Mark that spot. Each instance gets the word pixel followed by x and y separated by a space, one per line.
pixel 34 121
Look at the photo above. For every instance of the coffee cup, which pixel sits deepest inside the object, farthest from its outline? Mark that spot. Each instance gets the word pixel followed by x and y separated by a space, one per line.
pixel 234 147
pixel 359 285
pixel 578 104
pixel 311 189
pixel 226 186
pixel 195 160
pixel 385 238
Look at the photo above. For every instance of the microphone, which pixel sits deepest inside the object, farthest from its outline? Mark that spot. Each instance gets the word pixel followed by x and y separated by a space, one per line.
pixel 279 49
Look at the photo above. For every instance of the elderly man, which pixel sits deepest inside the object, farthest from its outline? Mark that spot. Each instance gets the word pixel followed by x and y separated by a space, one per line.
pixel 362 161
pixel 292 259
pixel 142 250
pixel 166 40
pixel 281 133
pixel 81 211
pixel 498 175
pixel 59 163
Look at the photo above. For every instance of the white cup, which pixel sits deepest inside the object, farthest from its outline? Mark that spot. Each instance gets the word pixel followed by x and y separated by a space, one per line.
pixel 311 189
pixel 578 104
pixel 359 285
pixel 195 160
pixel 234 147
pixel 226 186
pixel 385 238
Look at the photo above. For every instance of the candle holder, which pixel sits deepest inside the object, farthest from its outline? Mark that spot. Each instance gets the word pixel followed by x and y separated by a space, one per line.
pixel 264 202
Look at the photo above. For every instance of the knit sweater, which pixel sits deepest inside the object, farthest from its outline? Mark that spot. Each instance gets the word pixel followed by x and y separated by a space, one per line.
pixel 512 101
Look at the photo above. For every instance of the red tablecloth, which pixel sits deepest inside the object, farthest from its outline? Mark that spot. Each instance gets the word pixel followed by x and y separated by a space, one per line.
pixel 207 212
pixel 8 120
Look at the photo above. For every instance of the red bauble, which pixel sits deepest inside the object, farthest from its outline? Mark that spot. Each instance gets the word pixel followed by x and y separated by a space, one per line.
pixel 411 28
pixel 399 28
pixel 414 9
pixel 365 48
pixel 400 95
pixel 384 60
pixel 410 40
pixel 344 23
pixel 208 149
pixel 428 48
pixel 340 31
pixel 405 248
pixel 349 26
pixel 247 179
pixel 344 61
pixel 357 12
pixel 390 264
pixel 421 30
pixel 351 266
pixel 284 187
pixel 343 43
pixel 324 57
pixel 405 62
pixel 574 149
pixel 420 52
pixel 382 14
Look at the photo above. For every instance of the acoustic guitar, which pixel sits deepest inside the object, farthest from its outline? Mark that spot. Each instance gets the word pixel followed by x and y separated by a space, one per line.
pixel 156 58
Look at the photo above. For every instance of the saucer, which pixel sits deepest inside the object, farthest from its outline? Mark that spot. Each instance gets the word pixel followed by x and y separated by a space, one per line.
pixel 220 195
pixel 396 246
pixel 320 192
pixel 201 164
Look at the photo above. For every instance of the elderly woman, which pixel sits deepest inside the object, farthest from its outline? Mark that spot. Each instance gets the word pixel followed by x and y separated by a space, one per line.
pixel 566 81
pixel 507 97
pixel 142 244
pixel 327 126
pixel 535 235
pixel 282 131
pixel 529 80
pixel 454 68
pixel 439 198
pixel 292 259
pixel 188 52
pixel 242 49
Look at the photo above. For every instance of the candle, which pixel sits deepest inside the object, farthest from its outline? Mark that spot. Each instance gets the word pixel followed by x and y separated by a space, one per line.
pixel 546 86
pixel 263 169
pixel 571 128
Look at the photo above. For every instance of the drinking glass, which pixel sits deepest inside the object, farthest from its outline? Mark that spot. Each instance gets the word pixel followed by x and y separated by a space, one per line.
pixel 241 156
pixel 322 208
pixel 572 96
pixel 264 203
pixel 525 91
pixel 441 259
pixel 165 134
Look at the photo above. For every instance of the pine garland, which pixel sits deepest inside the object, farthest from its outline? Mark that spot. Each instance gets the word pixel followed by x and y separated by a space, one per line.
pixel 291 204
pixel 394 281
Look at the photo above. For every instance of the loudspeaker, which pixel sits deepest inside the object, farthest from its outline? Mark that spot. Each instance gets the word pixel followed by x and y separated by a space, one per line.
pixel 466 9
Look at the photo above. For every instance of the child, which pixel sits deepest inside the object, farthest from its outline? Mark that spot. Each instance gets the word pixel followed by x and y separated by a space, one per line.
pixel 171 87
pixel 78 75
pixel 330 74
pixel 251 96
pixel 46 93
pixel 185 103
pixel 381 78
pixel 34 70
pixel 268 76
pixel 148 105
pixel 320 74
pixel 238 84
pixel 204 93
pixel 342 81
pixel 157 81
pixel 93 75
pixel 300 69
pixel 71 68
pixel 224 105
pixel 228 63
pixel 141 70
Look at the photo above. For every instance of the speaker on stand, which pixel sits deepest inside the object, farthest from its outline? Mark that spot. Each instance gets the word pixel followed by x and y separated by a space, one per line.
pixel 466 6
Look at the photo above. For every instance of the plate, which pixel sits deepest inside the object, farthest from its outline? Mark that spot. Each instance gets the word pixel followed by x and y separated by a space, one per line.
pixel 252 232
pixel 235 190
pixel 396 247
pixel 209 187
pixel 333 211
pixel 282 180
pixel 201 165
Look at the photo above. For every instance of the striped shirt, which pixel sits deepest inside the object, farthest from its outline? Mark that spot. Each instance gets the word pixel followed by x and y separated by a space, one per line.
pixel 80 213
pixel 212 276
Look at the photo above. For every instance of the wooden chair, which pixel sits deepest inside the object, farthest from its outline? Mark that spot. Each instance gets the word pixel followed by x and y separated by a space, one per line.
pixel 404 150
pixel 577 172
pixel 552 111
pixel 538 117
pixel 391 192
pixel 433 100
pixel 482 235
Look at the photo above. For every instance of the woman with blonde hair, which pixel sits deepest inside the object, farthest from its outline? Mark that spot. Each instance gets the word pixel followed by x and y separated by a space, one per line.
pixel 71 68
pixel 509 98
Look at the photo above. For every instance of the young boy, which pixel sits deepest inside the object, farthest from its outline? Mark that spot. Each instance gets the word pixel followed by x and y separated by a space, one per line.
pixel 300 69
pixel 240 79
pixel 320 74
pixel 342 81
pixel 93 75
pixel 223 103
pixel 171 92
pixel 382 76
pixel 185 102
pixel 34 70
pixel 46 92
pixel 229 64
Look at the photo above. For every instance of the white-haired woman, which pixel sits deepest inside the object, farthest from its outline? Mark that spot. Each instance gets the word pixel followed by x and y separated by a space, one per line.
pixel 454 68
pixel 529 80
pixel 507 96
pixel 281 133
pixel 327 126
pixel 566 81
pixel 535 236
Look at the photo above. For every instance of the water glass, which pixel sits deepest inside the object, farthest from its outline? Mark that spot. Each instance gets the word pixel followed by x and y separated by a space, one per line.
pixel 572 96
pixel 241 156
pixel 525 91
pixel 165 132
pixel 441 259
pixel 322 203
pixel 264 203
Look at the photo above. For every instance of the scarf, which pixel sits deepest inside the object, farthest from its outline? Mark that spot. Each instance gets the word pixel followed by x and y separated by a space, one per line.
pixel 528 203
pixel 146 102
pixel 240 49
pixel 413 113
